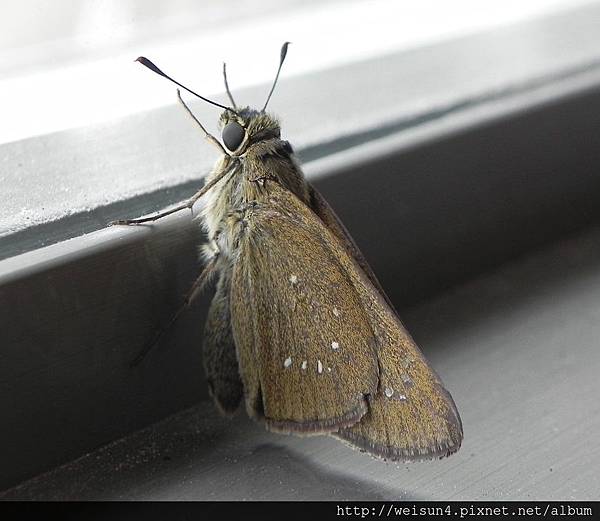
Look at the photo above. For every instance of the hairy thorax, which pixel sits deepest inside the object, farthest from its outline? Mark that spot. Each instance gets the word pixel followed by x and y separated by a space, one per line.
pixel 248 183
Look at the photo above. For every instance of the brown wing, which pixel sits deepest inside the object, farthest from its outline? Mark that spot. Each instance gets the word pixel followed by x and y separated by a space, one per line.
pixel 321 207
pixel 305 346
pixel 412 416
pixel 219 354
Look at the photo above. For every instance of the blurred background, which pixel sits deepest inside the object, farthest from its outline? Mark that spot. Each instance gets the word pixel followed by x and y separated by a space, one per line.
pixel 70 63
pixel 458 141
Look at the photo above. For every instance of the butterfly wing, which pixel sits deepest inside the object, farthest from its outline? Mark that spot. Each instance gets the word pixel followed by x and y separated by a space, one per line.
pixel 410 393
pixel 321 207
pixel 219 353
pixel 305 346
pixel 410 414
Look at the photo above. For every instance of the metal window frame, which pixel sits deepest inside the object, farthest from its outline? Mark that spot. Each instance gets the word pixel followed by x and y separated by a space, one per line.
pixel 432 199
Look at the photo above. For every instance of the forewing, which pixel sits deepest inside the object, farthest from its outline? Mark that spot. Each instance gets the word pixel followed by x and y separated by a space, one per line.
pixel 305 345
pixel 321 207
pixel 412 416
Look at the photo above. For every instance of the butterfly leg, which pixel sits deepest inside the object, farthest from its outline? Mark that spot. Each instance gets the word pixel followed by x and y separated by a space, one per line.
pixel 194 291
pixel 227 169
pixel 212 139
pixel 154 217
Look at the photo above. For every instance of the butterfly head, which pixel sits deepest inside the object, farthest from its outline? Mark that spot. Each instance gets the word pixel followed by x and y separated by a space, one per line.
pixel 245 127
pixel 240 127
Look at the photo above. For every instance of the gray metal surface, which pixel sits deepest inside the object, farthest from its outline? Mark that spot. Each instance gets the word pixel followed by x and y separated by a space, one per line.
pixel 76 313
pixel 433 198
pixel 518 348
pixel 61 185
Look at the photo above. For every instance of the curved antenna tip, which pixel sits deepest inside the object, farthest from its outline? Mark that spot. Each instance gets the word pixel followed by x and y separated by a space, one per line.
pixel 147 63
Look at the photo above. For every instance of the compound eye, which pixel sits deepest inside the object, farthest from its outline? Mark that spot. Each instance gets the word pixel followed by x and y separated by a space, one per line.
pixel 233 135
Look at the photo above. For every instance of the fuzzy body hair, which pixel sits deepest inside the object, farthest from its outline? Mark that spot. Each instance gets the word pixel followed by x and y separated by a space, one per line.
pixel 263 157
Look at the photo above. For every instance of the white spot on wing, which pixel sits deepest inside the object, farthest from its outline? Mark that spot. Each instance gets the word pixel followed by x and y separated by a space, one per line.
pixel 304 365
pixel 336 312
pixel 389 392
pixel 319 367
pixel 294 279
pixel 335 346
pixel 287 362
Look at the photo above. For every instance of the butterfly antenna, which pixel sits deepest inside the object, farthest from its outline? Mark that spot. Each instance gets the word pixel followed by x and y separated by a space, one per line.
pixel 284 49
pixel 227 86
pixel 147 63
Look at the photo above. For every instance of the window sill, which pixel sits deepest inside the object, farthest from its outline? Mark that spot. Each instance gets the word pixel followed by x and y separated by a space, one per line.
pixel 474 176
